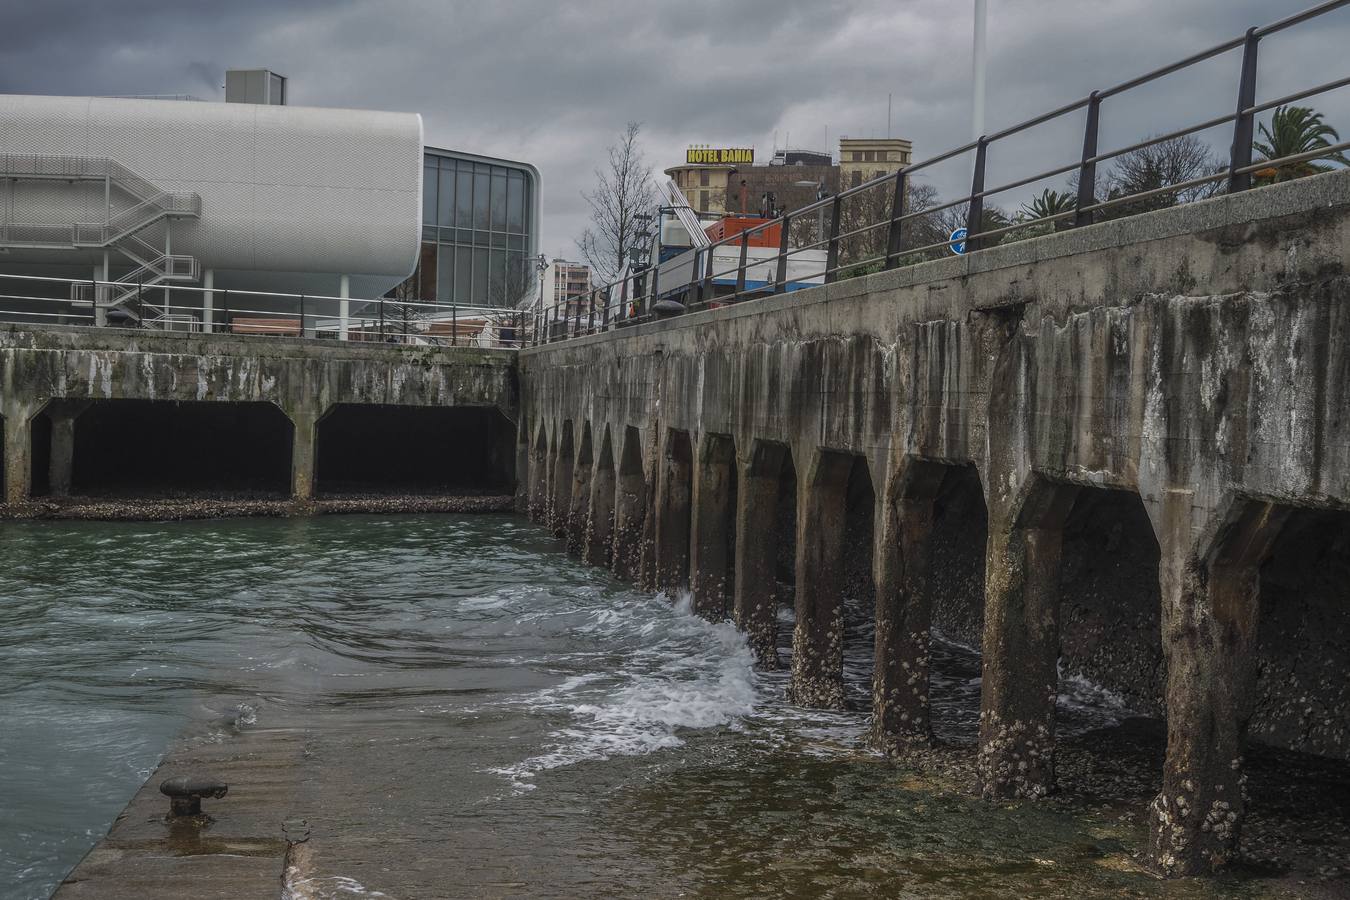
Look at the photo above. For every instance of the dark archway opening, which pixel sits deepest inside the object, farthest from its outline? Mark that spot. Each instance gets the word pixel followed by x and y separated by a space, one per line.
pixel 674 511
pixel 785 543
pixel 956 559
pixel 1297 756
pixel 1303 637
pixel 1110 634
pixel 40 485
pixel 414 449
pixel 157 448
pixel 859 586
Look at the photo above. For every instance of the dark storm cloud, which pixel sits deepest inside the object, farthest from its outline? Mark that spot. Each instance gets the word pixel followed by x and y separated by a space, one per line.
pixel 552 83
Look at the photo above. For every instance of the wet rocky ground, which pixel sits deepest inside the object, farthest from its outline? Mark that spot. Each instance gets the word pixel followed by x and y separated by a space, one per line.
pixel 185 506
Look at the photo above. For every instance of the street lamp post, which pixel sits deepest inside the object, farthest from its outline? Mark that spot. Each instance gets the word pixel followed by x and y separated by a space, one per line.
pixel 978 69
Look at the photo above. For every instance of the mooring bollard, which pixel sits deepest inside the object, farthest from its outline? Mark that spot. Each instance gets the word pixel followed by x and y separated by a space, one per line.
pixel 185 793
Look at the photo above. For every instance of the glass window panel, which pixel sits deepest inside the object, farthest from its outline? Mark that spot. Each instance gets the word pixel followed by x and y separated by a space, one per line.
pixel 426 272
pixel 445 275
pixel 428 233
pixel 480 276
pixel 499 202
pixel 498 240
pixel 463 236
pixel 516 242
pixel 448 235
pixel 463 198
pixel 463 274
pixel 515 204
pixel 447 192
pixel 480 200
pixel 429 195
pixel 497 278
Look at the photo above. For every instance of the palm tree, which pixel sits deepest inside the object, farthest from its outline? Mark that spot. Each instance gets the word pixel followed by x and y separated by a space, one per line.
pixel 1295 130
pixel 1049 203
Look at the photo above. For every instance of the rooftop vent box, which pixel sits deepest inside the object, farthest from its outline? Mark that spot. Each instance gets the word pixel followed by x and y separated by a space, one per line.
pixel 255 86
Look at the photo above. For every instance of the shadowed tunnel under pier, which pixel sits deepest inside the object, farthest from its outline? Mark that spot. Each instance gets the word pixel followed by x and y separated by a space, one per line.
pixel 414 449
pixel 149 448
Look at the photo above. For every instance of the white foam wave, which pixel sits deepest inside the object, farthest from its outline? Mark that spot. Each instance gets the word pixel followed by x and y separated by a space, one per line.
pixel 692 675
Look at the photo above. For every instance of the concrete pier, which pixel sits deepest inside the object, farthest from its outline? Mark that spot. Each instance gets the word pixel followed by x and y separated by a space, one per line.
pixel 1179 372
pixel 259 396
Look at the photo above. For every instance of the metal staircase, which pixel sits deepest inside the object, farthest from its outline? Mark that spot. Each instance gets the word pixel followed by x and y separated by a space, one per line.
pixel 144 204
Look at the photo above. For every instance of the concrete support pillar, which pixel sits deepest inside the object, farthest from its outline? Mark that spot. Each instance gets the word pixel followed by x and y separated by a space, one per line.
pixel 208 301
pixel 1021 645
pixel 561 499
pixel 344 307
pixel 18 450
pixel 599 543
pixel 712 535
pixel 818 639
pixel 578 507
pixel 538 479
pixel 630 507
pixel 673 513
pixel 61 462
pixel 1210 586
pixel 904 608
pixel 755 607
pixel 304 446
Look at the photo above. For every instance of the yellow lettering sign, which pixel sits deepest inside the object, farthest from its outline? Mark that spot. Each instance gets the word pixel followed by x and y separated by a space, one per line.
pixel 719 156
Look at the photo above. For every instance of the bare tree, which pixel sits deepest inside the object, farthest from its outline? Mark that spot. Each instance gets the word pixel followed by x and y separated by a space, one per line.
pixel 623 192
pixel 1162 165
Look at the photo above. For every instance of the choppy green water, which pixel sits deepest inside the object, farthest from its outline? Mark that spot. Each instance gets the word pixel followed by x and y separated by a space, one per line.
pixel 591 739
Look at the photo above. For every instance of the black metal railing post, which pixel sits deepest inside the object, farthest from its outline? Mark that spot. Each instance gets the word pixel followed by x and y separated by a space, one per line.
pixel 454 321
pixel 93 301
pixel 976 213
pixel 381 320
pixel 832 253
pixel 590 314
pixel 895 235
pixel 1243 126
pixel 740 269
pixel 1087 172
pixel 695 291
pixel 302 315
pixel 225 311
pixel 780 278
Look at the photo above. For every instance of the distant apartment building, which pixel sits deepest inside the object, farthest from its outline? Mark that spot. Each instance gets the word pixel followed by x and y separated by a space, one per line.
pixel 567 283
pixel 863 159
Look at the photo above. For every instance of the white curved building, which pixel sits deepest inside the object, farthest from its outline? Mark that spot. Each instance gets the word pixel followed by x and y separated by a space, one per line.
pixel 228 195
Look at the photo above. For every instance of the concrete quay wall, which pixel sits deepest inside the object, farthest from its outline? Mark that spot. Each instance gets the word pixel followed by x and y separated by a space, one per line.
pixel 1124 449
pixel 58 373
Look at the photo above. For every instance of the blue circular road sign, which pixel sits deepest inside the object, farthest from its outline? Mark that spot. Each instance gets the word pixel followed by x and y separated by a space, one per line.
pixel 958 244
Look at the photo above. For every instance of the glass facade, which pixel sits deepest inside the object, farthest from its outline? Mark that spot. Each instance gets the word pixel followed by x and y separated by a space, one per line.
pixel 477 224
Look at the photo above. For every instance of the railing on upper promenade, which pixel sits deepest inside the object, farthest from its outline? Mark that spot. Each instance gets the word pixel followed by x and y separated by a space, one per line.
pixel 176 308
pixel 872 226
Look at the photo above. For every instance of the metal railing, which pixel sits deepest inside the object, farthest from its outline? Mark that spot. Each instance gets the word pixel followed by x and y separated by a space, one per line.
pixel 887 239
pixel 166 306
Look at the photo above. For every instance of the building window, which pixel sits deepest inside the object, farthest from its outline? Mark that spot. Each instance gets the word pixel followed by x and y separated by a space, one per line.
pixel 857 156
pixel 702 201
pixel 467 205
pixel 857 178
pixel 703 177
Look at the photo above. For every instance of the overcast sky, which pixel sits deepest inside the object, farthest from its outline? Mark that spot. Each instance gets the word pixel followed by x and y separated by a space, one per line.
pixel 553 83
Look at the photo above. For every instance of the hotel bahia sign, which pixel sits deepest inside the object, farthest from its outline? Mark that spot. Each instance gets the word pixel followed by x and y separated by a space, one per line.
pixel 715 156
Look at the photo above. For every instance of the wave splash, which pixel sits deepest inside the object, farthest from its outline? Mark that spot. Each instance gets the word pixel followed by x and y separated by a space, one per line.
pixel 687 673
